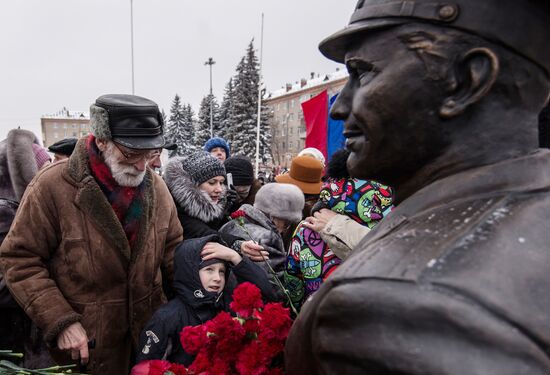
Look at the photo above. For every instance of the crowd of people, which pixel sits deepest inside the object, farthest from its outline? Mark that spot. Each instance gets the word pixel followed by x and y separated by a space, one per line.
pixel 106 261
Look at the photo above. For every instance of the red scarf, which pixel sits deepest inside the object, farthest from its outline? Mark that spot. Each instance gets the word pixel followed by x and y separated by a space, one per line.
pixel 127 202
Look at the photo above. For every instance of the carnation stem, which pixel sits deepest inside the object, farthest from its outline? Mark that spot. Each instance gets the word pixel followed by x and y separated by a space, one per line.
pixel 277 281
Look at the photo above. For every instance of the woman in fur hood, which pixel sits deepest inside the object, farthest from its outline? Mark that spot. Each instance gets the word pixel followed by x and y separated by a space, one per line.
pixel 196 183
pixel 276 212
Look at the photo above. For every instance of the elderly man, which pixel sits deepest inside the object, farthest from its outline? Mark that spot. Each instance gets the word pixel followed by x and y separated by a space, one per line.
pixel 441 103
pixel 92 234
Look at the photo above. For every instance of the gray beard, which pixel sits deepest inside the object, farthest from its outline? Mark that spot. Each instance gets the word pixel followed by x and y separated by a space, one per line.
pixel 124 175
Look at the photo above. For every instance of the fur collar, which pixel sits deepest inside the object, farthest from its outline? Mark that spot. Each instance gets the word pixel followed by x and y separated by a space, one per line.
pixel 188 196
pixel 17 163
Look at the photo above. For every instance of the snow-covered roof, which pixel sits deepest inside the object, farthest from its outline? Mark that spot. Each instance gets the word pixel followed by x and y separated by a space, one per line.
pixel 317 80
pixel 66 114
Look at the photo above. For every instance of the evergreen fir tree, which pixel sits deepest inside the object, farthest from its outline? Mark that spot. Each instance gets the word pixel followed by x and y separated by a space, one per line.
pixel 202 128
pixel 245 96
pixel 189 129
pixel 175 129
pixel 227 108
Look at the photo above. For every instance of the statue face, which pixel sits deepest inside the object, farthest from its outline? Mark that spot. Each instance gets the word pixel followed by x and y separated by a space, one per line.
pixel 390 108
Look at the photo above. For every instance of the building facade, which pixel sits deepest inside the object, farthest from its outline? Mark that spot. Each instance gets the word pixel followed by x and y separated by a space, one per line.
pixel 287 121
pixel 64 124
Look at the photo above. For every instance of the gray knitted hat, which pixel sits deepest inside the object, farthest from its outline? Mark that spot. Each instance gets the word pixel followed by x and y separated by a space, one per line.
pixel 283 201
pixel 202 166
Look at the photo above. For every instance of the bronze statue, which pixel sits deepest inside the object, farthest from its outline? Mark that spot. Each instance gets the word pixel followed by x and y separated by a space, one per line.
pixel 441 103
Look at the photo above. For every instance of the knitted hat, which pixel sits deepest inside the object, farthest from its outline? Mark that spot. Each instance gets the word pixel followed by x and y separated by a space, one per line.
pixel 314 153
pixel 283 201
pixel 241 169
pixel 41 156
pixel 305 172
pixel 202 166
pixel 64 147
pixel 217 142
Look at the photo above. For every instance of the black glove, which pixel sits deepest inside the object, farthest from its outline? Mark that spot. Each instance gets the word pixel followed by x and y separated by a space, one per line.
pixel 231 200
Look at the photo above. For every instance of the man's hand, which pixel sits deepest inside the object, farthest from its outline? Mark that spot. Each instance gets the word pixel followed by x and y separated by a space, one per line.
pixel 319 220
pixel 216 250
pixel 74 338
pixel 255 252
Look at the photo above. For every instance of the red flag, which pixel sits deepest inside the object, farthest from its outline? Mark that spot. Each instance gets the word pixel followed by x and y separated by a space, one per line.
pixel 316 117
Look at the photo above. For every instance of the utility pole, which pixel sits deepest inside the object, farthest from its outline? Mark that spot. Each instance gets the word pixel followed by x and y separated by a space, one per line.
pixel 211 62
pixel 132 40
pixel 257 169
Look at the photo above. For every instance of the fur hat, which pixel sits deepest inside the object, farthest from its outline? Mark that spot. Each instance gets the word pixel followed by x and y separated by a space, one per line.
pixel 241 169
pixel 217 142
pixel 17 163
pixel 305 172
pixel 202 166
pixel 283 201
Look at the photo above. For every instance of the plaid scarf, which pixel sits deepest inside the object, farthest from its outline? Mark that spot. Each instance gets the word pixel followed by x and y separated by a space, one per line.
pixel 127 202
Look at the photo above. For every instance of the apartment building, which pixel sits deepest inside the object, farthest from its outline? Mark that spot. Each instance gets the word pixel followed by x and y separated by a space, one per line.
pixel 287 121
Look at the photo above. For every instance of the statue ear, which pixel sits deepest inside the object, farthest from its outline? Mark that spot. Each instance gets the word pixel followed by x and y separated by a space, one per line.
pixel 475 73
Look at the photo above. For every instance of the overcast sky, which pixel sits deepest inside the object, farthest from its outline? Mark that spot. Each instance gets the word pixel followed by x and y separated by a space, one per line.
pixel 66 53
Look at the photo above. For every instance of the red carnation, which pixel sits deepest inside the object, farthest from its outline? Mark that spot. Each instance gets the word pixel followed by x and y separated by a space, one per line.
pixel 246 298
pixel 276 322
pixel 193 338
pixel 200 364
pixel 158 367
pixel 252 360
pixel 237 214
pixel 226 334
pixel 178 369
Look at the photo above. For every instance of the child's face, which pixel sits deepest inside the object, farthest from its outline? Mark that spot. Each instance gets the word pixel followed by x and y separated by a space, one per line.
pixel 213 277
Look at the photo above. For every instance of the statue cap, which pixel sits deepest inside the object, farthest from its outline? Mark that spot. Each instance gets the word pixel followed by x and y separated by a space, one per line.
pixel 520 25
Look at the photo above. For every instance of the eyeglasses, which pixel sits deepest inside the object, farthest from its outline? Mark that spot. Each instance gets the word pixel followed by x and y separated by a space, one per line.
pixel 134 157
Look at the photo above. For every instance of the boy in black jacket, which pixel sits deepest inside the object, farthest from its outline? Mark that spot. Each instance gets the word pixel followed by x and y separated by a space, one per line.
pixel 203 288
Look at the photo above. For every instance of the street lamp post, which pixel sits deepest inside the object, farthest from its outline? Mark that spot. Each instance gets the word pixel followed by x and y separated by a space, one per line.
pixel 132 40
pixel 211 62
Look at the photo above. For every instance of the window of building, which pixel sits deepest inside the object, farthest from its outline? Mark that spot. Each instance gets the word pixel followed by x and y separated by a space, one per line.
pixel 74 126
pixel 83 134
pixel 55 135
pixel 292 103
pixel 74 134
pixel 291 131
pixel 55 125
pixel 290 144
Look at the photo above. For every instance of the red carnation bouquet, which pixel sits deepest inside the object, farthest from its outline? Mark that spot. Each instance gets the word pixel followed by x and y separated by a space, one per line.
pixel 251 343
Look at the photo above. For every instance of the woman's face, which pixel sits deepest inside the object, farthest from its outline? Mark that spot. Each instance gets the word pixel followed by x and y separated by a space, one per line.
pixel 281 224
pixel 213 187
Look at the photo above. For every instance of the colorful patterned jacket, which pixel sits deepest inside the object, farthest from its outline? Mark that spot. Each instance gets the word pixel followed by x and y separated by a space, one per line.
pixel 310 261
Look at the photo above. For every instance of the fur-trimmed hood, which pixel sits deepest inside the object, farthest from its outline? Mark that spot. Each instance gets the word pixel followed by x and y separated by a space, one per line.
pixel 17 163
pixel 192 200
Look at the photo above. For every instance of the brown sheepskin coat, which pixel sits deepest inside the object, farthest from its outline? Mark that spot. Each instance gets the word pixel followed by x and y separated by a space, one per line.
pixel 67 259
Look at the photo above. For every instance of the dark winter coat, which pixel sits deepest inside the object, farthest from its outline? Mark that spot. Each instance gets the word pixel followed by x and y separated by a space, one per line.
pixel 193 305
pixel 262 230
pixel 67 259
pixel 198 214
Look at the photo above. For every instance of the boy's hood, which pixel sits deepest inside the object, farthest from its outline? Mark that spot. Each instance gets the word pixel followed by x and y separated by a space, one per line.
pixel 187 282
